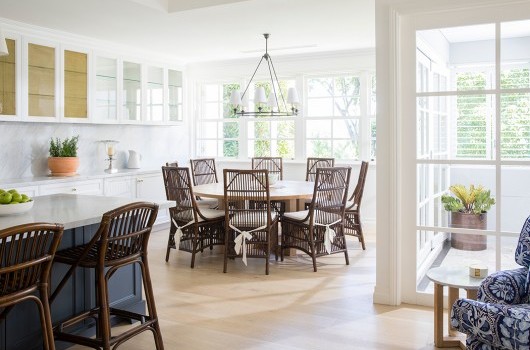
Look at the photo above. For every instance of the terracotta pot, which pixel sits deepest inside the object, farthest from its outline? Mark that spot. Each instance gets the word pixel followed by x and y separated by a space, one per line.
pixel 63 166
pixel 472 221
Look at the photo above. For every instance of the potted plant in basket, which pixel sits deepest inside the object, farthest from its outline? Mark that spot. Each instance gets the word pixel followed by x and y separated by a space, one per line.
pixel 468 208
pixel 63 160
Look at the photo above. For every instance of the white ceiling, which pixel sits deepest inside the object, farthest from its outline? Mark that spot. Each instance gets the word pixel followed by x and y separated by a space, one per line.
pixel 203 30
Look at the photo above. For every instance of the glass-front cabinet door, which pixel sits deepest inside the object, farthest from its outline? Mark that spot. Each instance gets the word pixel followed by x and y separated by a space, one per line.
pixel 155 94
pixel 41 81
pixel 8 81
pixel 132 92
pixel 175 95
pixel 75 85
pixel 106 89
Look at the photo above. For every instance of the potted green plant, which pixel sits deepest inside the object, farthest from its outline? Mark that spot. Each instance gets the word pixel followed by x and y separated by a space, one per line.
pixel 63 160
pixel 468 208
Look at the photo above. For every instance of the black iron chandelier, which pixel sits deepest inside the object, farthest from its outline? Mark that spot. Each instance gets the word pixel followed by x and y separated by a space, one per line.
pixel 239 101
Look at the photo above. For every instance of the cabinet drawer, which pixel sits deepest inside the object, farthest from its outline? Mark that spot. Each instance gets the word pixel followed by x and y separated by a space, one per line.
pixel 30 191
pixel 75 187
pixel 120 187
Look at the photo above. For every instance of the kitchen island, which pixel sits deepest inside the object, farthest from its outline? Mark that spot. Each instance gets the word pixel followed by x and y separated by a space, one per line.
pixel 80 215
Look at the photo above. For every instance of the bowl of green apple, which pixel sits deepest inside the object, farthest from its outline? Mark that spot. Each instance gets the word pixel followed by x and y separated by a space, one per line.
pixel 12 202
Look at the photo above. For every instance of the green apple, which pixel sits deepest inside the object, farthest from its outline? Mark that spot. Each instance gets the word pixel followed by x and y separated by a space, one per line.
pixel 12 191
pixel 16 197
pixel 5 198
pixel 25 198
pixel 2 190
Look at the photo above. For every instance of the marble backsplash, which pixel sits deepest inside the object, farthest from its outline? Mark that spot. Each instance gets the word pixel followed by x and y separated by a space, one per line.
pixel 24 146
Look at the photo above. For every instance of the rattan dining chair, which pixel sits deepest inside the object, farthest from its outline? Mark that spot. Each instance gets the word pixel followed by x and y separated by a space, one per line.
pixel 311 170
pixel 319 230
pixel 273 164
pixel 26 255
pixel 204 172
pixel 352 215
pixel 121 240
pixel 314 163
pixel 192 227
pixel 251 227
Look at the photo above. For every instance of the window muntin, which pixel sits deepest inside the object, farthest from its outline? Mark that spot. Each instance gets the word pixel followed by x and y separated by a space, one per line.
pixel 337 114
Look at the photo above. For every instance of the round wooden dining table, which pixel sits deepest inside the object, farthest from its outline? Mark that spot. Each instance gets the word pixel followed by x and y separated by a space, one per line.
pixel 293 193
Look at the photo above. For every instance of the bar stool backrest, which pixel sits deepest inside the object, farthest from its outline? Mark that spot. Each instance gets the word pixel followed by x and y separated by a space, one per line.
pixel 26 254
pixel 124 232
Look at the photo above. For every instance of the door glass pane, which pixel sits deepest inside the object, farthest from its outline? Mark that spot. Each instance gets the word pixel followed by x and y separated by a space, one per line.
pixel 106 88
pixel 75 84
pixel 41 81
pixel 132 91
pixel 515 68
pixel 8 80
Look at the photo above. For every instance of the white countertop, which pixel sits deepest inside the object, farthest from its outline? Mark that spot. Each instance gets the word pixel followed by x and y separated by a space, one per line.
pixel 71 210
pixel 41 180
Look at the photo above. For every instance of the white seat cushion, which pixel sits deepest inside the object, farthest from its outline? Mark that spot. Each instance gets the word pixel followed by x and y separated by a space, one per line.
pixel 297 215
pixel 211 213
pixel 207 203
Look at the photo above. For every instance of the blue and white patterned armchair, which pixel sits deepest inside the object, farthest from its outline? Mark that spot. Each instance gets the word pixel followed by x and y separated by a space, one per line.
pixel 500 318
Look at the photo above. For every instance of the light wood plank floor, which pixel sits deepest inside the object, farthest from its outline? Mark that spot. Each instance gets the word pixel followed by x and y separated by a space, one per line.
pixel 291 309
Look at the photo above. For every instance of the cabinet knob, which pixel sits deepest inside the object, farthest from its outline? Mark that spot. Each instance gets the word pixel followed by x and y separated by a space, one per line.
pixel 139 180
pixel 74 189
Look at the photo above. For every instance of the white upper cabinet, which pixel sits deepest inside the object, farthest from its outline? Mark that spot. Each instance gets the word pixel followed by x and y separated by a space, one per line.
pixel 175 95
pixel 131 96
pixel 106 90
pixel 155 95
pixel 50 81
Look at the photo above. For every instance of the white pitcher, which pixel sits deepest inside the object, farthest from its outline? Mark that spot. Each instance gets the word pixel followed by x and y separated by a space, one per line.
pixel 134 160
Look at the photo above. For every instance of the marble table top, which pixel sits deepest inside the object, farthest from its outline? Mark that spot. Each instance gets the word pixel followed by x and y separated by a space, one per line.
pixel 454 276
pixel 71 210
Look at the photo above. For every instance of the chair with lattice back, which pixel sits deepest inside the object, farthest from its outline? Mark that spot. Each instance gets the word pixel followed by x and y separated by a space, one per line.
pixel 251 226
pixel 26 255
pixel 319 230
pixel 311 170
pixel 121 240
pixel 352 216
pixel 275 166
pixel 192 227
pixel 204 172
pixel 314 163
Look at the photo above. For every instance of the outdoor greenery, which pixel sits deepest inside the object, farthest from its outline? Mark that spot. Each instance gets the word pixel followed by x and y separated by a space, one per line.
pixel 475 125
pixel 474 200
pixel 64 148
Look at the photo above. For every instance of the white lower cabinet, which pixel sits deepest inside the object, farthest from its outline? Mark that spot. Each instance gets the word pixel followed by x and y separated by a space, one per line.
pixel 151 187
pixel 94 187
pixel 122 186
pixel 146 186
pixel 30 191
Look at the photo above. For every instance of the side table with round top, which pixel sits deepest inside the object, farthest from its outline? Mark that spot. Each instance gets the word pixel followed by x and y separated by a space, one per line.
pixel 455 278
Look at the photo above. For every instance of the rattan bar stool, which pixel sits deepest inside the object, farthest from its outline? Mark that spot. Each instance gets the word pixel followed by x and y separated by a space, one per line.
pixel 26 254
pixel 121 240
